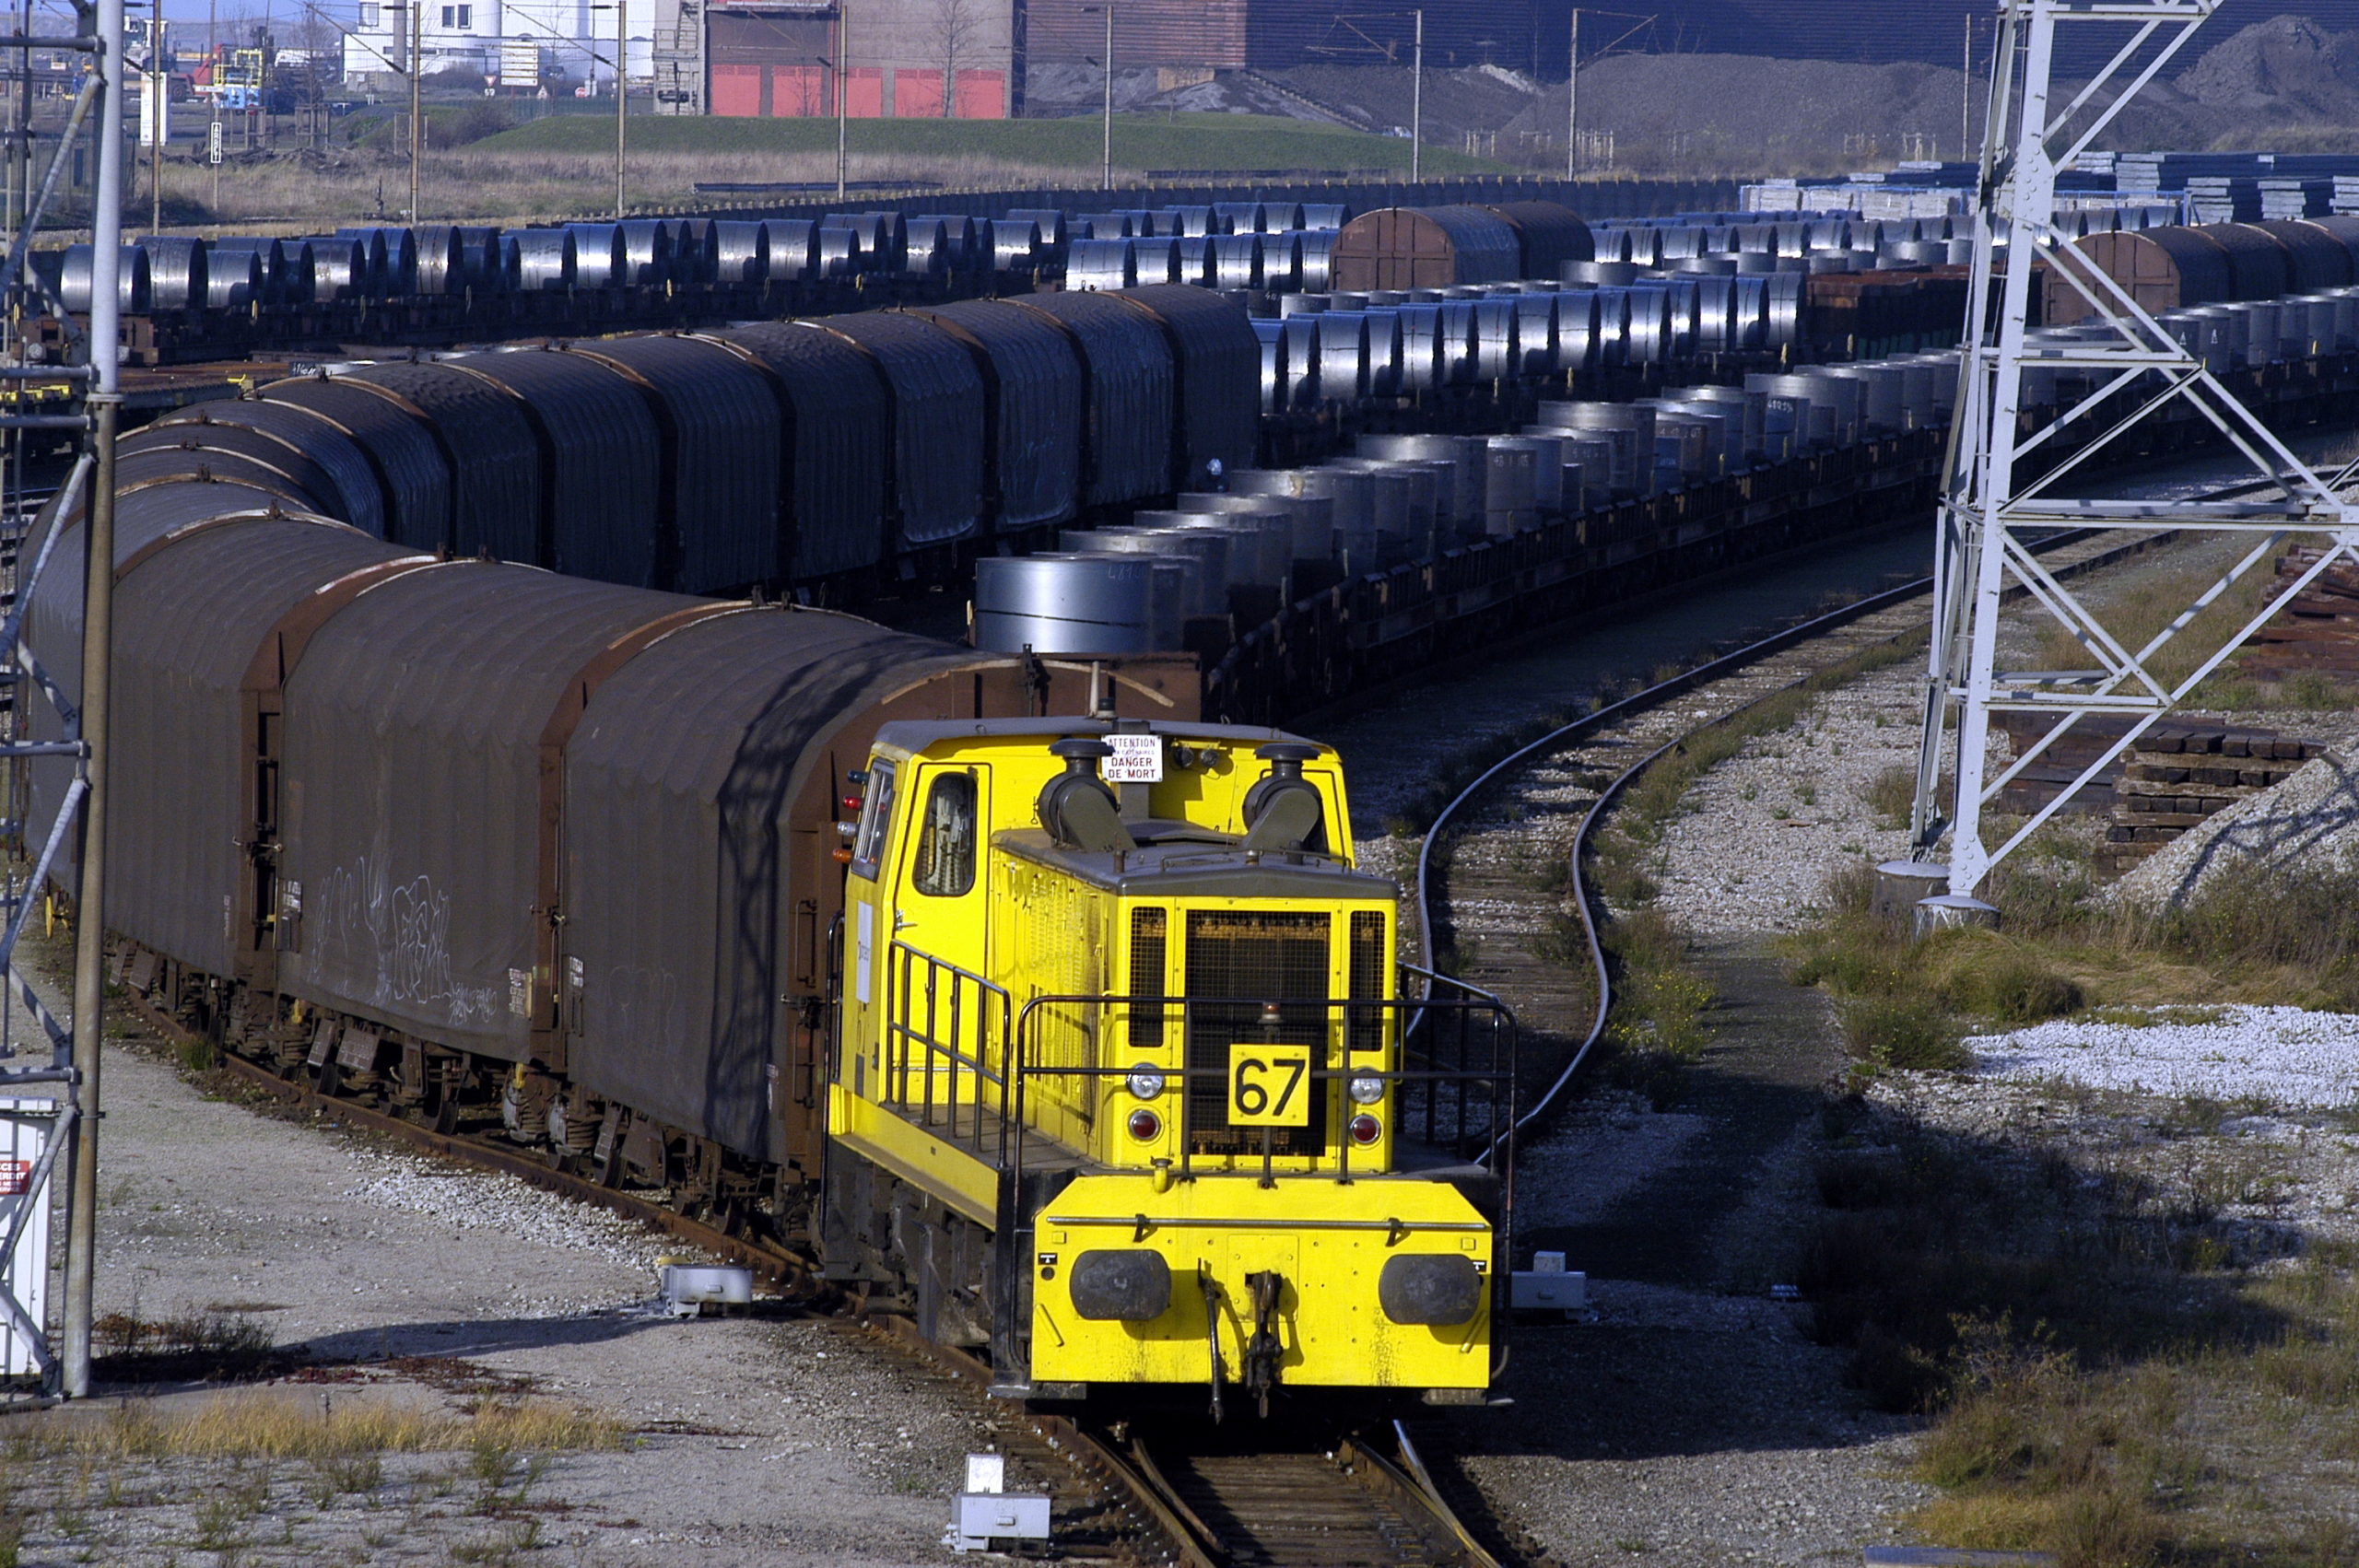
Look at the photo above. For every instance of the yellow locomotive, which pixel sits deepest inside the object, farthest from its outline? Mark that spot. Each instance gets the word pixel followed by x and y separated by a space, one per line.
pixel 1129 1086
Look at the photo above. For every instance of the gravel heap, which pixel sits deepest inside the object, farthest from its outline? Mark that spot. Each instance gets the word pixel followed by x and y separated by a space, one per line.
pixel 481 1200
pixel 2281 1056
pixel 2311 819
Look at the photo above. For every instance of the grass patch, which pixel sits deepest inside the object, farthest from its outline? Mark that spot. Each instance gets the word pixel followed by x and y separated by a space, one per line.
pixel 2113 1371
pixel 2285 936
pixel 275 1424
pixel 1141 141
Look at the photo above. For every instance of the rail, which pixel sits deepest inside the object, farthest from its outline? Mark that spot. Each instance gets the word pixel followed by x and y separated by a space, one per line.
pixel 1551 1099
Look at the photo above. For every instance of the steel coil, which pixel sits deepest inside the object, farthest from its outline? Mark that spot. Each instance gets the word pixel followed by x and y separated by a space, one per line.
pixel 339 268
pixel 1096 264
pixel 1048 221
pixel 1270 334
pixel 1342 355
pixel 647 254
pixel 1192 261
pixel 1237 259
pixel 1715 314
pixel 741 253
pixel 1066 604
pixel 1316 258
pixel 234 280
pixel 1577 329
pixel 1647 337
pixel 1237 217
pixel 1321 215
pixel 269 253
pixel 1594 273
pixel 842 255
pixel 175 272
pixel 696 252
pixel 1016 244
pixel 1280 263
pixel 441 267
pixel 74 279
pixel 925 251
pixel 1782 310
pixel 601 255
pixel 542 261
pixel 792 246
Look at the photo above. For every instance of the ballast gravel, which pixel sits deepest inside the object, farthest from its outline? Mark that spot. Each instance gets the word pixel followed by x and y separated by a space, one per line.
pixel 2279 1056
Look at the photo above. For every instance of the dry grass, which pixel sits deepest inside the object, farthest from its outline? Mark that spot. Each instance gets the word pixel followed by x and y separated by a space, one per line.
pixel 282 1424
pixel 302 193
pixel 2145 603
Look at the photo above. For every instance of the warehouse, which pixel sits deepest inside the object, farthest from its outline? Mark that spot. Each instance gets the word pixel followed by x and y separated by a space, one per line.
pixel 910 59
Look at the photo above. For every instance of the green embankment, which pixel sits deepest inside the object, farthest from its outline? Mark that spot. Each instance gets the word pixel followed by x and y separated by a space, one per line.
pixel 1141 142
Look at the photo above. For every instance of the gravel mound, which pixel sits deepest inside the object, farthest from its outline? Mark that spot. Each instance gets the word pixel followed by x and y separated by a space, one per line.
pixel 2312 819
pixel 2283 1056
pixel 478 1201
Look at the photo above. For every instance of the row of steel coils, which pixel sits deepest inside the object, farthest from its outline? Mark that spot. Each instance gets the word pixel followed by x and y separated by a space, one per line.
pixel 1341 347
pixel 171 273
pixel 1269 536
pixel 769 453
pixel 2226 337
pixel 1934 240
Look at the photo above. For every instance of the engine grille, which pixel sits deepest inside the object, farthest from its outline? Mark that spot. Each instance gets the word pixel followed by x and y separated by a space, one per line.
pixel 1236 962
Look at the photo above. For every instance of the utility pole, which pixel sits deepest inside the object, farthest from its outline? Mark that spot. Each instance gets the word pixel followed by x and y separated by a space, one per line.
pixel 417 75
pixel 1106 154
pixel 1417 107
pixel 160 109
pixel 1573 103
pixel 622 95
pixel 98 643
pixel 1966 98
pixel 213 80
pixel 843 93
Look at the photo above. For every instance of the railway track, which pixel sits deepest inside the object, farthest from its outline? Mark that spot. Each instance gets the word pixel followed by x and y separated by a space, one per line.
pixel 1208 1500
pixel 1204 1504
pixel 1478 878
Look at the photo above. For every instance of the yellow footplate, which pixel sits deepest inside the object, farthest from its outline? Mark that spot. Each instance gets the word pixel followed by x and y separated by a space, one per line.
pixel 1387 1287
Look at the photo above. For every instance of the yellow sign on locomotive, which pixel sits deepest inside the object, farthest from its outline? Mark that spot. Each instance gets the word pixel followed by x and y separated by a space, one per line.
pixel 1269 1086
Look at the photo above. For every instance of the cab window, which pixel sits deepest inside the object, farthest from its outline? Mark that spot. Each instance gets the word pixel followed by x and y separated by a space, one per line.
pixel 944 862
pixel 875 814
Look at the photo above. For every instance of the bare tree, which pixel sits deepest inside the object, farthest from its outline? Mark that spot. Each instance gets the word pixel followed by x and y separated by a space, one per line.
pixel 960 21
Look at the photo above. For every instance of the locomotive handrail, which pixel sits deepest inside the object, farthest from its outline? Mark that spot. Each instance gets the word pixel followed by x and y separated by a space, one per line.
pixel 1496 1112
pixel 945 1056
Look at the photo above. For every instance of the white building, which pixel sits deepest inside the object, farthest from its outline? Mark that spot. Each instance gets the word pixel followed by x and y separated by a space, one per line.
pixel 503 42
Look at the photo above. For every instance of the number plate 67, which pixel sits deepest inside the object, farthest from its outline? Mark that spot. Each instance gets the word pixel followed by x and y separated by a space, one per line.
pixel 1269 1086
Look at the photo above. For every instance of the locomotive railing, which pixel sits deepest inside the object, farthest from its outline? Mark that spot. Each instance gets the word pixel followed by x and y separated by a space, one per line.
pixel 946 1036
pixel 1453 1093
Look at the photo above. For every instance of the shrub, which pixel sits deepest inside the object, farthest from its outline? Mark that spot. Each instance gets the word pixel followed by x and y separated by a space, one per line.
pixel 1993 980
pixel 1906 1032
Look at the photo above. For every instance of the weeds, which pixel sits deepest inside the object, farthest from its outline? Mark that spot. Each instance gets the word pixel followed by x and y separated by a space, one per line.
pixel 263 1424
pixel 1908 1032
pixel 207 1346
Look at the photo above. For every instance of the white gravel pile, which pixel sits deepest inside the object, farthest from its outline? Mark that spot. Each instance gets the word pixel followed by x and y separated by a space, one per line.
pixel 2281 1056
pixel 2311 819
pixel 503 1204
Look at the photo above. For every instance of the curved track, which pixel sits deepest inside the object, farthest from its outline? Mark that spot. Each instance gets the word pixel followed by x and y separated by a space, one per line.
pixel 1645 725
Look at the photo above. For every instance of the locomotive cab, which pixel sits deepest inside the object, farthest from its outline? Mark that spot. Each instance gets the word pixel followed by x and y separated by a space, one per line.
pixel 1141 1091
